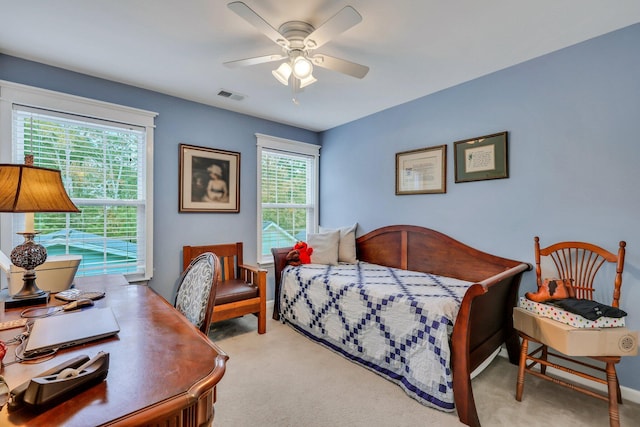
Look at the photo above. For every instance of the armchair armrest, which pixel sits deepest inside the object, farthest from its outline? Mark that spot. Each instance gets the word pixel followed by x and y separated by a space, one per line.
pixel 253 275
pixel 251 268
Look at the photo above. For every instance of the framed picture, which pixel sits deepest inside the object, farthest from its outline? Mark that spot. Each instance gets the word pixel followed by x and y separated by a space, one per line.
pixel 209 180
pixel 481 158
pixel 422 171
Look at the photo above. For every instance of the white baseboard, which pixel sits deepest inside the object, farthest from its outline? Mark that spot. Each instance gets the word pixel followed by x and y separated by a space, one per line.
pixel 628 393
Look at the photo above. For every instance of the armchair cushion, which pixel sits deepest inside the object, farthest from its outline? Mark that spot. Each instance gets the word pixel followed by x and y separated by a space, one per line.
pixel 235 290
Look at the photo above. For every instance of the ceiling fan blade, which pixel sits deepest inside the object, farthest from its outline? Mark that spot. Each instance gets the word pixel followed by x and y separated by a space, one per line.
pixel 340 65
pixel 254 61
pixel 245 12
pixel 338 23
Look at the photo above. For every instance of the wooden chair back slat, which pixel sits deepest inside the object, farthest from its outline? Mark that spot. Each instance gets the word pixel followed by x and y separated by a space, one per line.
pixel 229 254
pixel 581 262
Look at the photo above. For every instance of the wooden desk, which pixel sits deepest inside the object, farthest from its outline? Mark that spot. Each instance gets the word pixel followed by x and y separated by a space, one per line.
pixel 162 370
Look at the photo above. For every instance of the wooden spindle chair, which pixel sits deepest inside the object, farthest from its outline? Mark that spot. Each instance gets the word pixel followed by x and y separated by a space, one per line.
pixel 580 262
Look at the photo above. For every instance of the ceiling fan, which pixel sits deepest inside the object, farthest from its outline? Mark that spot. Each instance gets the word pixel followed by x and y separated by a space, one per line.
pixel 298 41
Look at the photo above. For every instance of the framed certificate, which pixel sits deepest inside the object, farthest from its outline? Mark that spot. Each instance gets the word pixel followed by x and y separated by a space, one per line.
pixel 481 158
pixel 422 171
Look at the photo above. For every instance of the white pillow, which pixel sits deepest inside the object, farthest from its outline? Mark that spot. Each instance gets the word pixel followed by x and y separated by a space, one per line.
pixel 325 247
pixel 347 246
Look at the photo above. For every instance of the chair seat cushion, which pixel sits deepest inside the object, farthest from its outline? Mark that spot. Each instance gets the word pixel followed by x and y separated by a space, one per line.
pixel 234 290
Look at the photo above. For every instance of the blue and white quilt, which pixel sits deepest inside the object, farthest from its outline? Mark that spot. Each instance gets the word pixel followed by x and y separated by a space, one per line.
pixel 395 322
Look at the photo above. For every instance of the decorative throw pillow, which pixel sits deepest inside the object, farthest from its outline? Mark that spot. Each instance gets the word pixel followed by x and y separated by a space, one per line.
pixel 347 245
pixel 325 247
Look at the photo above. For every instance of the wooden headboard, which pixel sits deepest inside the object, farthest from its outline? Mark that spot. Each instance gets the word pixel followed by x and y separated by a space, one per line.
pixel 421 249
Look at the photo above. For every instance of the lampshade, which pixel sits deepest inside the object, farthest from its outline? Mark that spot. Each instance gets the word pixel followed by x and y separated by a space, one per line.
pixel 302 67
pixel 25 188
pixel 282 73
pixel 307 81
pixel 302 71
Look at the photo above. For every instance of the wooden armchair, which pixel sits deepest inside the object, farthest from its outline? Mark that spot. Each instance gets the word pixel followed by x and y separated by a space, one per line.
pixel 241 289
pixel 580 262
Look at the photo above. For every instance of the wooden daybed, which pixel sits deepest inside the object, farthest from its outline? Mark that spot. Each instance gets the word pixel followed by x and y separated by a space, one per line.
pixel 484 320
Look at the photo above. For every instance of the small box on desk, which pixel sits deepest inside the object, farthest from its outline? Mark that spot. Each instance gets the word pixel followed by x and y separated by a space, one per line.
pixel 576 341
pixel 55 275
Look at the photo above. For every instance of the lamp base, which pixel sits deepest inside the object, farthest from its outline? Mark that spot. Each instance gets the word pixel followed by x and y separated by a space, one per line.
pixel 28 255
pixel 11 302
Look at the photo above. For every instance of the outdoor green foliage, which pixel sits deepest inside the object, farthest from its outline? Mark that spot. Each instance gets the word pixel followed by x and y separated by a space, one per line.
pixel 97 163
pixel 284 179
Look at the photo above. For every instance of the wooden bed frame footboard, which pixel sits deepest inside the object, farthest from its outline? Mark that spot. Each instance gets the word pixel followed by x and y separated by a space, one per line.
pixel 484 321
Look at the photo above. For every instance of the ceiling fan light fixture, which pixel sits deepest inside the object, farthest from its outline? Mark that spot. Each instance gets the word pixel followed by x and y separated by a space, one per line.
pixel 302 67
pixel 307 81
pixel 282 73
pixel 298 41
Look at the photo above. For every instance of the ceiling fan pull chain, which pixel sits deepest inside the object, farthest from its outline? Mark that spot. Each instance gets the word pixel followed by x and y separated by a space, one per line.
pixel 293 91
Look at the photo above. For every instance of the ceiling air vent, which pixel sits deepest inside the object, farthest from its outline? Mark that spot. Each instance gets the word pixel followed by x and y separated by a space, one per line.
pixel 235 96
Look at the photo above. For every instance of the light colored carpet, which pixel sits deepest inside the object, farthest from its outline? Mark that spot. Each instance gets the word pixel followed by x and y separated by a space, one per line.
pixel 283 379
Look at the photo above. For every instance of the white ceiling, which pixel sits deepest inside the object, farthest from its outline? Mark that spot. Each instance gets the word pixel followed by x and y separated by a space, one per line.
pixel 413 47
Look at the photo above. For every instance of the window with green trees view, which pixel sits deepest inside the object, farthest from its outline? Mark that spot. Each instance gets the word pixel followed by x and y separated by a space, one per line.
pixel 104 168
pixel 287 205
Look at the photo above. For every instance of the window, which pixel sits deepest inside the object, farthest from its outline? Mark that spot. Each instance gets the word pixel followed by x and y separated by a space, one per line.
pixel 287 193
pixel 102 152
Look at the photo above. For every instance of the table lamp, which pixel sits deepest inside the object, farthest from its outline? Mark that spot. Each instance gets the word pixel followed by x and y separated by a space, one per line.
pixel 29 189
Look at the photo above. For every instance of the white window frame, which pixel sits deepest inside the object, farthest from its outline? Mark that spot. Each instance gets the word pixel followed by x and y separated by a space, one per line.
pixel 273 143
pixel 14 93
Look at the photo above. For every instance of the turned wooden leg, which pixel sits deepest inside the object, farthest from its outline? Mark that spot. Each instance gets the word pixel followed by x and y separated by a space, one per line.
pixel 612 383
pixel 524 348
pixel 543 356
pixel 513 347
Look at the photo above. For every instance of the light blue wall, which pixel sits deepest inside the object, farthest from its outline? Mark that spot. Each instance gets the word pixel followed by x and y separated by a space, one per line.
pixel 179 121
pixel 573 119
